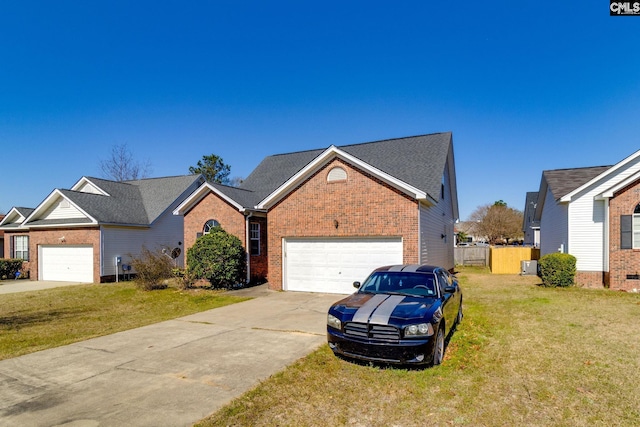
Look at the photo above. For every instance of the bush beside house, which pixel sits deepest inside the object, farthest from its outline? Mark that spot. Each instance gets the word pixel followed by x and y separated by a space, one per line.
pixel 557 269
pixel 218 257
pixel 9 268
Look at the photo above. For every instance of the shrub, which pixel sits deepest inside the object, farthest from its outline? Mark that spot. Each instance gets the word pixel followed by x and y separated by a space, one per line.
pixel 557 269
pixel 218 257
pixel 152 269
pixel 9 268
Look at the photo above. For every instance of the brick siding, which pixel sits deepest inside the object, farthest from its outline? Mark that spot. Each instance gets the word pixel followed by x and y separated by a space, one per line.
pixel 362 206
pixel 590 279
pixel 76 236
pixel 623 262
pixel 232 221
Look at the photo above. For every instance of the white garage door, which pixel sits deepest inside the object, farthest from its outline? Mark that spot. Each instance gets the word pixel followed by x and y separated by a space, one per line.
pixel 332 265
pixel 66 263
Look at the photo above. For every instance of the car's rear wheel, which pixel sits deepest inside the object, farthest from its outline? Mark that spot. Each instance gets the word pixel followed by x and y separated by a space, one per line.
pixel 438 350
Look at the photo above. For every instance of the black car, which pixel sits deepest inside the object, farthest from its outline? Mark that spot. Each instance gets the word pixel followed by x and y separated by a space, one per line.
pixel 401 314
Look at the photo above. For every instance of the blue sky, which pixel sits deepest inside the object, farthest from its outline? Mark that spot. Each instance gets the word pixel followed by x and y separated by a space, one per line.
pixel 524 86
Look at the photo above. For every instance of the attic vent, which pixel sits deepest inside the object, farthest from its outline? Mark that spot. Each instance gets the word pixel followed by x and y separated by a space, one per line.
pixel 337 174
pixel 64 203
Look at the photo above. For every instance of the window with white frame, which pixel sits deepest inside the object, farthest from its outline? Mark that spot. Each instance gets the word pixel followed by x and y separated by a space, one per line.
pixel 254 238
pixel 209 225
pixel 636 227
pixel 20 247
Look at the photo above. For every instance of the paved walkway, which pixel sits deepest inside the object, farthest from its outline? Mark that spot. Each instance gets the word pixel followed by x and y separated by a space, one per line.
pixel 172 373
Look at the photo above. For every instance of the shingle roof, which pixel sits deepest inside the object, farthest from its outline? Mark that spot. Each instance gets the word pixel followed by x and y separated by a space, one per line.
pixel 138 202
pixel 417 160
pixel 563 181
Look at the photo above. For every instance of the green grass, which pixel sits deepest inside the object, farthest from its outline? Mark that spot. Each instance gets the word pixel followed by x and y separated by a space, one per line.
pixel 523 355
pixel 33 321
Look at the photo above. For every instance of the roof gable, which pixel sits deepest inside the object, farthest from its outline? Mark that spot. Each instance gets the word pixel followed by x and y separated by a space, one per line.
pixel 614 174
pixel 328 155
pixel 15 217
pixel 414 164
pixel 563 182
pixel 99 201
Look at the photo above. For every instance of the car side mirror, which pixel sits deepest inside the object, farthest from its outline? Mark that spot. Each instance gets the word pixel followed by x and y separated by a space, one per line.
pixel 356 285
pixel 450 289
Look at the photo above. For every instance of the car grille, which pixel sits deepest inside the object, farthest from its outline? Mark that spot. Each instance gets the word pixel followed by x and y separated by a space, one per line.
pixel 369 331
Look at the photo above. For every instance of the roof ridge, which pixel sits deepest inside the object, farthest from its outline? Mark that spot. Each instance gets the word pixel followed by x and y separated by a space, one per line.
pixel 578 168
pixel 361 143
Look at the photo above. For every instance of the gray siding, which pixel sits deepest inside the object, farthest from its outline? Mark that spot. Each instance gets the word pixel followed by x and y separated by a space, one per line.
pixel 553 226
pixel 127 241
pixel 435 221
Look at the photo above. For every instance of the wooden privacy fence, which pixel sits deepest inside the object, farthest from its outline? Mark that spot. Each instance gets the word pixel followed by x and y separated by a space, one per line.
pixel 501 260
pixel 472 255
pixel 508 260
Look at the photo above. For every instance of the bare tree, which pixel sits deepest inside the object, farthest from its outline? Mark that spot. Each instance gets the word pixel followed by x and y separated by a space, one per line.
pixel 497 222
pixel 121 166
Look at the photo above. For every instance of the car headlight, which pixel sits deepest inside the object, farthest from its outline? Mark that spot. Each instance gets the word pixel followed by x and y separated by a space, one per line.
pixel 419 330
pixel 334 322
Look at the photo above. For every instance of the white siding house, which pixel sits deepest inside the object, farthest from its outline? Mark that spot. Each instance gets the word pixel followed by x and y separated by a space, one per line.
pixel 574 210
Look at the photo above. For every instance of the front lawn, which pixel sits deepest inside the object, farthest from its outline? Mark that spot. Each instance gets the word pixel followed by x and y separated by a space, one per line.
pixel 33 321
pixel 523 355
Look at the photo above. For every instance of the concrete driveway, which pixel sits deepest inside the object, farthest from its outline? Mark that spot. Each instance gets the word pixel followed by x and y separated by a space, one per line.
pixel 14 286
pixel 172 373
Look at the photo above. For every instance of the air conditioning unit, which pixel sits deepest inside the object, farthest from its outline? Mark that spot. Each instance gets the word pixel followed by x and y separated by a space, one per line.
pixel 529 268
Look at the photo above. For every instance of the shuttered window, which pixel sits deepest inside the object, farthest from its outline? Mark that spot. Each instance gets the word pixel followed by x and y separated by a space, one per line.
pixel 626 232
pixel 630 230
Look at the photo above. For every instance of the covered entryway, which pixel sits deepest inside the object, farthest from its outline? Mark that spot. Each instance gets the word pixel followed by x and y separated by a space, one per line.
pixel 66 263
pixel 333 264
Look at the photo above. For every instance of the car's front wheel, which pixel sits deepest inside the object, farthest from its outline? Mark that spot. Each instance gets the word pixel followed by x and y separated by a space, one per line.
pixel 438 350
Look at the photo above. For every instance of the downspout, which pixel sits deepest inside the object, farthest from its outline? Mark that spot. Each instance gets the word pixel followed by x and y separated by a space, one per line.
pixel 606 251
pixel 248 245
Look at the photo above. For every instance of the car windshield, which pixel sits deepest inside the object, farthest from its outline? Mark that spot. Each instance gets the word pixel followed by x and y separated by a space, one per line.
pixel 392 282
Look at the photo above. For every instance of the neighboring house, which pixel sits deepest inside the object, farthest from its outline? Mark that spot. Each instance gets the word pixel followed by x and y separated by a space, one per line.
pixel 16 240
pixel 530 226
pixel 87 233
pixel 594 214
pixel 319 220
pixel 469 228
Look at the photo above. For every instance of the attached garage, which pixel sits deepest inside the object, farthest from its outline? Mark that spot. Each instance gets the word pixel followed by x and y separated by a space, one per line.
pixel 66 263
pixel 332 264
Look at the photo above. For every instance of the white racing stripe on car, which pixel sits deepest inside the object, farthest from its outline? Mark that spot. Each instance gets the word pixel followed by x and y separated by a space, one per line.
pixel 382 314
pixel 363 313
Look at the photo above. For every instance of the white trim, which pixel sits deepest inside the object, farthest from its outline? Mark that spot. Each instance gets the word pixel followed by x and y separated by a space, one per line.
pixel 48 202
pixel 612 169
pixel 329 154
pixel 607 194
pixel 199 194
pixel 85 180
pixel 12 213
